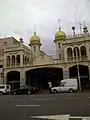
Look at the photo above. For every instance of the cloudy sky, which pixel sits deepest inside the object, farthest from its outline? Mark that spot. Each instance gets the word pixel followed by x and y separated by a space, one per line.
pixel 17 18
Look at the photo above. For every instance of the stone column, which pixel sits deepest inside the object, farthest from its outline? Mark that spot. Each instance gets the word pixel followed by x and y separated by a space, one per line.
pixel 22 78
pixel 1 76
pixel 80 54
pixel 5 46
pixel 21 59
pixel 65 54
pixel 73 55
pixel 65 73
pixel 5 77
pixel 5 60
pixel 10 61
pixel 88 51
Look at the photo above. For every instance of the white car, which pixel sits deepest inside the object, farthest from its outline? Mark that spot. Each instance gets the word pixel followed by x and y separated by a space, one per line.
pixel 4 89
pixel 67 85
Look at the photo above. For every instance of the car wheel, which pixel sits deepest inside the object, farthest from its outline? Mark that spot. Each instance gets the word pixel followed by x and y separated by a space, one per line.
pixel 54 91
pixel 1 93
pixel 71 90
pixel 14 93
pixel 29 92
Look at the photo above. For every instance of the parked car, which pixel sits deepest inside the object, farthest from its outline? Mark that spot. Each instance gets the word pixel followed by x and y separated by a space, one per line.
pixel 24 90
pixel 5 89
pixel 67 85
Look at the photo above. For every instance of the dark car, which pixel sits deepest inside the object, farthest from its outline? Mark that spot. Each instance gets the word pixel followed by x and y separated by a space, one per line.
pixel 24 90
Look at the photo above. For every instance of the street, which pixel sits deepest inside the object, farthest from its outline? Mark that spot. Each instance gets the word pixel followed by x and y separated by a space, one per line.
pixel 24 107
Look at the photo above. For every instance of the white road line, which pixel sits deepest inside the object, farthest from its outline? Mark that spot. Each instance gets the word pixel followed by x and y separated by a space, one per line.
pixel 53 117
pixel 60 117
pixel 27 105
pixel 83 118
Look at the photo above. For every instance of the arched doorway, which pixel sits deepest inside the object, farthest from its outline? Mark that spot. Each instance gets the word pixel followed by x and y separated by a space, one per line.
pixel 13 78
pixel 84 74
pixel 41 76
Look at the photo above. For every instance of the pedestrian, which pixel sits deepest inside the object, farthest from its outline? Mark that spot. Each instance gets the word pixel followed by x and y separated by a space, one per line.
pixel 50 86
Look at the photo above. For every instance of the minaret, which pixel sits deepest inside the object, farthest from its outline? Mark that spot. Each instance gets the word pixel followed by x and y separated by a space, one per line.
pixel 59 38
pixel 35 44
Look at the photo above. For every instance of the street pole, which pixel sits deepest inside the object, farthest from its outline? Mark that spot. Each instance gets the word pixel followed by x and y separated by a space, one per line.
pixel 79 81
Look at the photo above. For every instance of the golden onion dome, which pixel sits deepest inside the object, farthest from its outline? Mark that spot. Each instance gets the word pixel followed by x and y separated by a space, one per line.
pixel 34 39
pixel 60 35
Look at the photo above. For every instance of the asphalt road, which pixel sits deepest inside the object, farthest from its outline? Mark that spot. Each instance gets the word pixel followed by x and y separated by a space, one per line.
pixel 23 107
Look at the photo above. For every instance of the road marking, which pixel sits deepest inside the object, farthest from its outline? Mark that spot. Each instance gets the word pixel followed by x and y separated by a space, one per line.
pixel 53 117
pixel 27 105
pixel 78 118
pixel 61 117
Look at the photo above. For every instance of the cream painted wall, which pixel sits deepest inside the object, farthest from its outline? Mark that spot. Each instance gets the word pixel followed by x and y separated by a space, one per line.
pixel 42 59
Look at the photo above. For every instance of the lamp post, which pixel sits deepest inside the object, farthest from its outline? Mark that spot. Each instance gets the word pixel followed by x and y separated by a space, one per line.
pixel 73 28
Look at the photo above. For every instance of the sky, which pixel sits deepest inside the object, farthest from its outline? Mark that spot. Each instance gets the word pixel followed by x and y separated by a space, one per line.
pixel 19 16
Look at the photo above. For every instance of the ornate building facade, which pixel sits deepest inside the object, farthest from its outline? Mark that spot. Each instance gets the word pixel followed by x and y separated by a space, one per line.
pixel 18 59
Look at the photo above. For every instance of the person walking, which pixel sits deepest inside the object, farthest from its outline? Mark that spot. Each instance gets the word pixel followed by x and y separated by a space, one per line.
pixel 50 86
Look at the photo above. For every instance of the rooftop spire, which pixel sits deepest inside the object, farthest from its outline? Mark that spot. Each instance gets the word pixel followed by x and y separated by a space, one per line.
pixel 84 23
pixel 34 30
pixel 59 24
pixel 80 28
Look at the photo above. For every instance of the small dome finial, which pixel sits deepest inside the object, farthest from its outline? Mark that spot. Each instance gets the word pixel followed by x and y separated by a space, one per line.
pixel 59 24
pixel 34 30
pixel 21 39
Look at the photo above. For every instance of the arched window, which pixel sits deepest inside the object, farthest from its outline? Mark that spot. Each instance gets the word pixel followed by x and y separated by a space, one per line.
pixel 59 45
pixel 18 59
pixel 76 51
pixel 8 60
pixel 83 51
pixel 13 60
pixel 69 52
pixel 34 48
pixel 60 56
pixel 25 59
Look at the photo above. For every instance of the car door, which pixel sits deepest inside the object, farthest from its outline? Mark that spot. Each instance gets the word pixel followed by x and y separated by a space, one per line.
pixel 8 88
pixel 23 90
pixel 19 91
pixel 62 88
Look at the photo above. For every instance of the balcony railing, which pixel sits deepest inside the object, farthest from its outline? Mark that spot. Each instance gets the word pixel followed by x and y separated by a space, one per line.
pixel 79 58
pixel 55 61
pixel 18 65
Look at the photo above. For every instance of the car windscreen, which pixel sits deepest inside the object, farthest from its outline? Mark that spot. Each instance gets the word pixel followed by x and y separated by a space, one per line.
pixel 2 87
